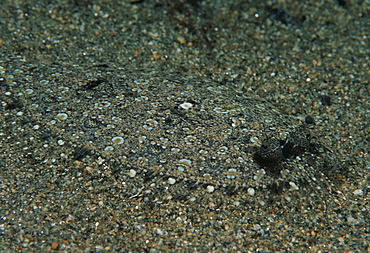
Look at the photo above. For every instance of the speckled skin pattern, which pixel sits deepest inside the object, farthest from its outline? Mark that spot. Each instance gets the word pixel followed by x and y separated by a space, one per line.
pixel 298 182
pixel 169 137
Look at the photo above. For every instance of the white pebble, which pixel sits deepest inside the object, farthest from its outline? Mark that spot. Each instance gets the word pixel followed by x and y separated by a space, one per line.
pixel 251 191
pixel 293 186
pixel 171 180
pixel 118 140
pixel 132 173
pixel 108 148
pixel 210 188
pixel 358 192
pixel 186 105
pixel 62 116
pixel 29 91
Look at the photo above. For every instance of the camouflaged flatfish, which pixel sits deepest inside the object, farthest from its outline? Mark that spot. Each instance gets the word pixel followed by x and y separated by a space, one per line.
pixel 169 137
